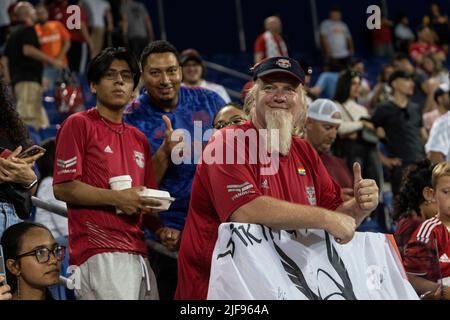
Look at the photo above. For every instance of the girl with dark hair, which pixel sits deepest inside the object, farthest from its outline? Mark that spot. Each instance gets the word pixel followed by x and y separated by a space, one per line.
pixel 415 202
pixel 357 137
pixel 17 178
pixel 33 260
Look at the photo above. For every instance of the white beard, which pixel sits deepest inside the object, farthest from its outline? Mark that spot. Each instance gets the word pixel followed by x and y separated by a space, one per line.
pixel 280 121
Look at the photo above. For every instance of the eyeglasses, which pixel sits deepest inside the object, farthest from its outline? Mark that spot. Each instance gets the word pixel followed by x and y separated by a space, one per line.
pixel 222 124
pixel 126 75
pixel 354 74
pixel 43 254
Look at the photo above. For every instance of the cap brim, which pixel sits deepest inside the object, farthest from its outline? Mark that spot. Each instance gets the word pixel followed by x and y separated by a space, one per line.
pixel 267 72
pixel 325 119
pixel 183 61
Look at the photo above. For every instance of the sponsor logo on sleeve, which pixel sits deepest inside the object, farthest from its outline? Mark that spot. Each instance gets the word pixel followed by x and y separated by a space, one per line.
pixel 240 190
pixel 64 165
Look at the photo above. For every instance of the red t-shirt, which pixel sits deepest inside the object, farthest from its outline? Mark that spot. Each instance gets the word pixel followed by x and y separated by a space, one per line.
pixel 382 35
pixel 418 49
pixel 91 149
pixel 421 257
pixel 260 45
pixel 219 189
pixel 338 170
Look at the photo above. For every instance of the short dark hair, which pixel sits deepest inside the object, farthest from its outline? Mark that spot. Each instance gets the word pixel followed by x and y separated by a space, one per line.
pixel 158 46
pixel 101 63
pixel 235 105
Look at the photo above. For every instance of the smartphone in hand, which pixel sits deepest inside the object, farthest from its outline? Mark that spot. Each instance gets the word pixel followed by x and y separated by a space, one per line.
pixel 31 151
pixel 4 153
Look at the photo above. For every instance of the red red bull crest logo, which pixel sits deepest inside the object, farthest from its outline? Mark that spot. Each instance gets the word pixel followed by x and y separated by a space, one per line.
pixel 283 63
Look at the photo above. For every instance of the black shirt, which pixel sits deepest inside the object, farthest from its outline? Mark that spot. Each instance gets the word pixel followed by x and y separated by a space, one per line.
pixel 402 127
pixel 21 67
pixel 419 96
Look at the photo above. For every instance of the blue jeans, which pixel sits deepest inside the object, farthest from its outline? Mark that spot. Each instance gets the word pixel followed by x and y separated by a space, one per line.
pixel 52 75
pixel 8 216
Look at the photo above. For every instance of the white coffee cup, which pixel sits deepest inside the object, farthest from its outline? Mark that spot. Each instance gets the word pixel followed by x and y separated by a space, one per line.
pixel 120 183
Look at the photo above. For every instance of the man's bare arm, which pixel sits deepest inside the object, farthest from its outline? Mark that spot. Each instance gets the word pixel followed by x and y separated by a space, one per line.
pixel 79 193
pixel 280 214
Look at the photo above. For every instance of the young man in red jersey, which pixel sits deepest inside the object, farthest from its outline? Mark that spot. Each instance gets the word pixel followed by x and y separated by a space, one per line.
pixel 92 147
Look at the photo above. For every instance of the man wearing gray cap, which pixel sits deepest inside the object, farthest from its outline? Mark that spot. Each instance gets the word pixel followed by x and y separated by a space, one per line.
pixel 322 123
pixel 300 194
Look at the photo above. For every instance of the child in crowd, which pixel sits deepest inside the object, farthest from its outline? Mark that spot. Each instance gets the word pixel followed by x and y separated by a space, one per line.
pixel 427 253
pixel 414 204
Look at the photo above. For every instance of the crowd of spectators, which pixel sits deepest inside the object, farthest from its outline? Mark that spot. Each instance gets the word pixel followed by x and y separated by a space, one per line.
pixel 396 129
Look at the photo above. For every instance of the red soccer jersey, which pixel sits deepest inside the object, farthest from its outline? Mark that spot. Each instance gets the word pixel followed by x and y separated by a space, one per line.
pixel 219 189
pixel 421 257
pixel 405 229
pixel 92 150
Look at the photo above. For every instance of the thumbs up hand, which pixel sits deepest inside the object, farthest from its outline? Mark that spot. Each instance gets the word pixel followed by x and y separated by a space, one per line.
pixel 365 190
pixel 169 143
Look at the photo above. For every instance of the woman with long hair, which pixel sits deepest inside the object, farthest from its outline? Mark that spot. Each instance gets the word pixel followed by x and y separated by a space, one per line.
pixel 17 178
pixel 357 138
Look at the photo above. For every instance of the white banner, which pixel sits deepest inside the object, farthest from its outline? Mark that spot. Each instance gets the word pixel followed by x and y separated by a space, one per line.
pixel 255 262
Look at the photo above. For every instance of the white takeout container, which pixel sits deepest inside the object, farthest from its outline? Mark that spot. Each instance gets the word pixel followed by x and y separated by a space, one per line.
pixel 160 195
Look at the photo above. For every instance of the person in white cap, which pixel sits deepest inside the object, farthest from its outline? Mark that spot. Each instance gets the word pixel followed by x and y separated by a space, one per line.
pixel 322 123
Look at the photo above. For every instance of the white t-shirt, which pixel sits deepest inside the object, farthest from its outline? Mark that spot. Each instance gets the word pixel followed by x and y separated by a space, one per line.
pixel 96 12
pixel 403 33
pixel 217 88
pixel 57 224
pixel 439 139
pixel 336 34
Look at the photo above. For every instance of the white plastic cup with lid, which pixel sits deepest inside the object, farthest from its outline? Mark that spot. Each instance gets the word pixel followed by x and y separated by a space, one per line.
pixel 120 183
